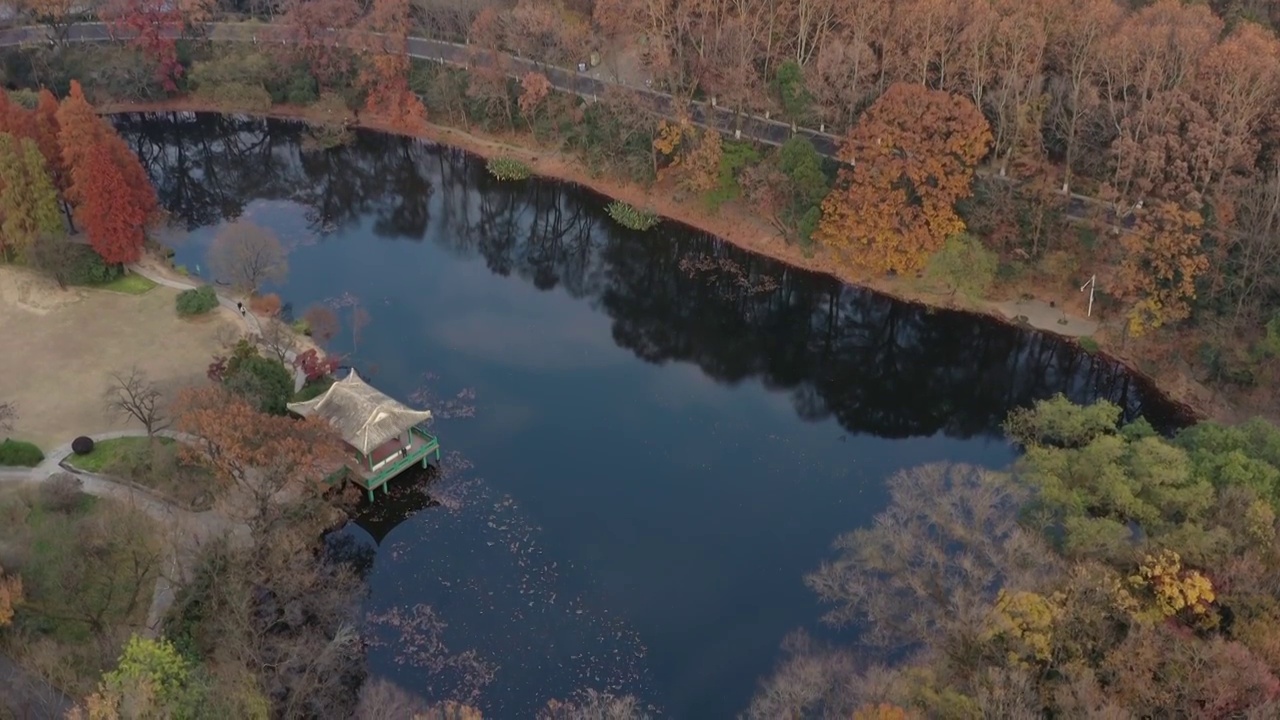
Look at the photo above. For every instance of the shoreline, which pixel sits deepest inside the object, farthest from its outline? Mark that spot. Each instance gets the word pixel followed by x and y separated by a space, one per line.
pixel 734 225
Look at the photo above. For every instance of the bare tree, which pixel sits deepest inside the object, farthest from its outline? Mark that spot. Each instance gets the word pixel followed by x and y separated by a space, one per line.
pixel 8 415
pixel 134 396
pixel 928 569
pixel 278 339
pixel 55 256
pixel 248 255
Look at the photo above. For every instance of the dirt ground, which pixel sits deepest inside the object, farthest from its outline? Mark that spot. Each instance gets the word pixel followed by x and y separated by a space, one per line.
pixel 59 346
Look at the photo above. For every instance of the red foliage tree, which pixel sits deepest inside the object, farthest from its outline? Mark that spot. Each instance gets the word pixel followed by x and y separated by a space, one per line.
pixel 15 119
pixel 46 137
pixel 113 211
pixel 111 194
pixel 314 366
pixel 152 28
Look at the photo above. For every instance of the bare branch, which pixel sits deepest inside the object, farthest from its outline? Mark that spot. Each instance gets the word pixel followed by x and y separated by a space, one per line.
pixel 278 339
pixel 248 255
pixel 8 416
pixel 133 396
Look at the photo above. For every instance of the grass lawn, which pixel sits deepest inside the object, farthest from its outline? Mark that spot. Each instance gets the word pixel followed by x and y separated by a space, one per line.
pixel 108 452
pixel 129 284
pixel 156 466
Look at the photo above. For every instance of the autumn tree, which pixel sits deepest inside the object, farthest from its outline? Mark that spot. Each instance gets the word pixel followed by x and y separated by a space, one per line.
pixel 114 213
pixel 113 198
pixel 28 200
pixel 534 89
pixel 255 454
pixel 248 255
pixel 913 156
pixel 57 15
pixel 152 679
pixel 79 129
pixel 46 137
pixel 150 27
pixel 1162 257
pixel 385 70
pixel 311 26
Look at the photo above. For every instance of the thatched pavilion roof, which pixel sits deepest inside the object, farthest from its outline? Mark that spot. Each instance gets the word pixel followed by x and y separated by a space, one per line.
pixel 363 415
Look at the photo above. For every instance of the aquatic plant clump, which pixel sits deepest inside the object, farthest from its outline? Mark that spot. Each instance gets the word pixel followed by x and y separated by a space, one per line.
pixel 631 217
pixel 508 169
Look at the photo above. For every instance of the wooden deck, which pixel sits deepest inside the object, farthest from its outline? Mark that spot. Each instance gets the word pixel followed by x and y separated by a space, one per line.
pixel 391 461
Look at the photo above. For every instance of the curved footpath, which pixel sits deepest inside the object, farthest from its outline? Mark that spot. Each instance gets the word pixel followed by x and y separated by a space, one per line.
pixel 183 531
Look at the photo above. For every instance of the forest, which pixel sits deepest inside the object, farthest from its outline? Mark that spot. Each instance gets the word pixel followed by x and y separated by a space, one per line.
pixel 963 128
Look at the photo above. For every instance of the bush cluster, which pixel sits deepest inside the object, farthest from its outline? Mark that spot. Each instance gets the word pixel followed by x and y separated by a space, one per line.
pixel 20 453
pixel 88 268
pixel 198 301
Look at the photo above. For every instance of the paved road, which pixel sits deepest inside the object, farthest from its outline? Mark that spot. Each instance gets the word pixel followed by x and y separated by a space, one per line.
pixel 589 85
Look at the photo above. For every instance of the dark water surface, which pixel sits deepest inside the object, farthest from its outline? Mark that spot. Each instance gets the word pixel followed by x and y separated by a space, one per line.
pixel 651 436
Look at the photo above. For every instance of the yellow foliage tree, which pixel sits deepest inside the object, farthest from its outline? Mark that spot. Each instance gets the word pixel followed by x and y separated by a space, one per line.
pixel 913 154
pixel 1165 589
pixel 1023 622
pixel 670 136
pixel 1162 258
pixel 702 163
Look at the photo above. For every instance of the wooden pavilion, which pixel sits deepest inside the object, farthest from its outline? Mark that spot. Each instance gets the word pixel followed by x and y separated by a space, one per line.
pixel 384 435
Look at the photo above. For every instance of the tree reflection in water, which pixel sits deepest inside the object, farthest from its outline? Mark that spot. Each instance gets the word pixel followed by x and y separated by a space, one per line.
pixel 625 591
pixel 879 366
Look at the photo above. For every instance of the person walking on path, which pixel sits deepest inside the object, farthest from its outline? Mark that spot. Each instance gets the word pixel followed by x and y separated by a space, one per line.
pixel 240 307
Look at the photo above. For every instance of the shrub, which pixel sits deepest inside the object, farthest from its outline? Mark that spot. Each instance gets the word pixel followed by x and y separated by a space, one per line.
pixel 19 453
pixel 1088 344
pixel 302 327
pixel 198 301
pixel 965 265
pixel 61 492
pixel 265 382
pixel 82 445
pixel 508 168
pixel 86 267
pixel 631 217
pixel 234 96
pixel 268 305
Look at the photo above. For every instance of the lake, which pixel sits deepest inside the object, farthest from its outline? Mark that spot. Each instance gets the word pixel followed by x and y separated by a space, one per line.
pixel 650 437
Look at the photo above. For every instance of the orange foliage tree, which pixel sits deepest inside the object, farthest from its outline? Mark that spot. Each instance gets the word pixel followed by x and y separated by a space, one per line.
pixel 114 216
pixel 1163 255
pixel 534 89
pixel 111 194
pixel 253 454
pixel 385 72
pixel 913 156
